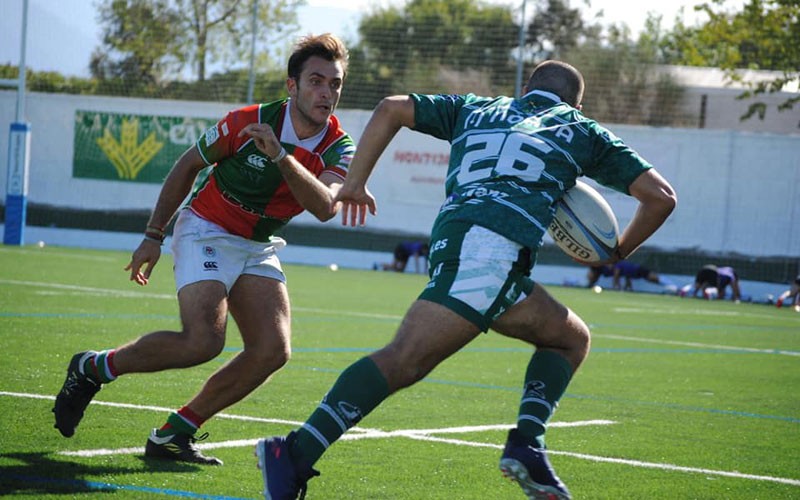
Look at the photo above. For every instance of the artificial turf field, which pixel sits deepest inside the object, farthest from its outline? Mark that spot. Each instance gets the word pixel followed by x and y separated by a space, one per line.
pixel 678 399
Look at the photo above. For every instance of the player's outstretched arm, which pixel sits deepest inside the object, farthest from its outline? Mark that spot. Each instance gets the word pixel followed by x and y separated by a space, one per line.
pixel 389 116
pixel 176 187
pixel 657 200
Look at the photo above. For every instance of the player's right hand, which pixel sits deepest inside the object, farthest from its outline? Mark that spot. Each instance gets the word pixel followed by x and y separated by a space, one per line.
pixel 147 254
pixel 355 200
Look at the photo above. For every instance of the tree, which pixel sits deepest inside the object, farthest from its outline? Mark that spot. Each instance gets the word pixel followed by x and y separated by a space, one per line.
pixel 220 30
pixel 434 46
pixel 765 35
pixel 556 29
pixel 146 40
pixel 138 39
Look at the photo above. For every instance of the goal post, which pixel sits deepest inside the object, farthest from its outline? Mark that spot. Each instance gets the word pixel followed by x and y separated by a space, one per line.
pixel 19 146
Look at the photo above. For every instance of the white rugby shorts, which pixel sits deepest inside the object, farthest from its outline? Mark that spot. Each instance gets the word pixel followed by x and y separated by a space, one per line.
pixel 203 251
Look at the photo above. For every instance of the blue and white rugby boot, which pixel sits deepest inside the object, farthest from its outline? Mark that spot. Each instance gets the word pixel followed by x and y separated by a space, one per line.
pixel 529 467
pixel 282 480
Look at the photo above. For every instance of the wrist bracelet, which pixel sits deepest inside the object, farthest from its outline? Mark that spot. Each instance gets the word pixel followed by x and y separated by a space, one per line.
pixel 148 237
pixel 154 236
pixel 280 156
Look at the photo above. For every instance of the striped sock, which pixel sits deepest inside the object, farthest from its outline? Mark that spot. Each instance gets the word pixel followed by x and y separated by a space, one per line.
pixel 183 421
pixel 546 380
pixel 100 367
pixel 359 389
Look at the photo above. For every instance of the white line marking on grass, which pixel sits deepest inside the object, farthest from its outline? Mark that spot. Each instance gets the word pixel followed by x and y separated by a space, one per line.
pixel 698 344
pixel 677 468
pixel 50 253
pixel 88 289
pixel 138 294
pixel 663 310
pixel 354 434
pixel 416 434
pixel 696 312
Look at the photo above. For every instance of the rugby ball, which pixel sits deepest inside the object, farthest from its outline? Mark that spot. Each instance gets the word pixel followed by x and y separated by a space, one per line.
pixel 584 226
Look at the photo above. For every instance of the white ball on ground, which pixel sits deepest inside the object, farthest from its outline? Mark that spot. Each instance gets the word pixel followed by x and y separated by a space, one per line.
pixel 40 244
pixel 597 289
pixel 333 267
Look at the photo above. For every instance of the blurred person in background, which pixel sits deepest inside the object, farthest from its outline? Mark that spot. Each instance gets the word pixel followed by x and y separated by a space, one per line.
pixel 712 282
pixel 403 252
pixel 791 297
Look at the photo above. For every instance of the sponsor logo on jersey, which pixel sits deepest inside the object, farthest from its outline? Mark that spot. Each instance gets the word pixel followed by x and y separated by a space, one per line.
pixel 438 245
pixel 212 134
pixel 225 130
pixel 210 265
pixel 256 161
pixel 480 192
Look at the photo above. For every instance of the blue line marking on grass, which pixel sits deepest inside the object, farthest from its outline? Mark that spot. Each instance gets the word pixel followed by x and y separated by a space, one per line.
pixel 98 486
pixel 524 350
pixel 87 315
pixel 518 390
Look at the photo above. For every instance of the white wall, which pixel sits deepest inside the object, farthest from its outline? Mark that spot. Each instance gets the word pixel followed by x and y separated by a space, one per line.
pixel 737 192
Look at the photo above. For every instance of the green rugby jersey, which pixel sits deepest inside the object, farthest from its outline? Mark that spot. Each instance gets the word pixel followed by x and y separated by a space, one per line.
pixel 512 159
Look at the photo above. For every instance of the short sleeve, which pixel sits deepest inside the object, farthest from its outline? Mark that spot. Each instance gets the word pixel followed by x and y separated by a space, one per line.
pixel 616 164
pixel 437 114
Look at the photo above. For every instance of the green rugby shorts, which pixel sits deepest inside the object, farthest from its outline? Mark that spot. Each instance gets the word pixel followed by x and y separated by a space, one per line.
pixel 477 273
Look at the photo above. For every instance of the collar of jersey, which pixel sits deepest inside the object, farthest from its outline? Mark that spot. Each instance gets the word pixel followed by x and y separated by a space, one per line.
pixel 534 98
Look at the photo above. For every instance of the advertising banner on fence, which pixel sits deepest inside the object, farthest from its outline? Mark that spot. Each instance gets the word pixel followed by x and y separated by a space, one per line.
pixel 129 147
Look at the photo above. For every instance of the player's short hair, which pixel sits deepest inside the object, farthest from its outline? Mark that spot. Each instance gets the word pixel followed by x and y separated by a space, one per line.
pixel 326 46
pixel 559 78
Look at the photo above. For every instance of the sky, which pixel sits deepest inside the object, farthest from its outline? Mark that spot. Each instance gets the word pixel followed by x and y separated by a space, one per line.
pixel 63 33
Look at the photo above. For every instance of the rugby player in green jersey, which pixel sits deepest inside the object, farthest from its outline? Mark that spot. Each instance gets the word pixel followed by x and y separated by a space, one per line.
pixel 269 163
pixel 511 160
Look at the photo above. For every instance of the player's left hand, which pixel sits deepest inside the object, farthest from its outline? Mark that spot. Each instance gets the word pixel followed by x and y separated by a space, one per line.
pixel 264 138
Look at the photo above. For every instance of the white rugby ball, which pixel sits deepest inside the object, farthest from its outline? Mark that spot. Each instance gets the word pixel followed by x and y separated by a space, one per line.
pixel 584 226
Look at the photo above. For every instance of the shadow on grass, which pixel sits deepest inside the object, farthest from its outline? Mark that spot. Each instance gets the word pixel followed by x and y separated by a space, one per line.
pixel 40 474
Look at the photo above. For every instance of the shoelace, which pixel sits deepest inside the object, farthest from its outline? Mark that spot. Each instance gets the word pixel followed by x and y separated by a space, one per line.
pixel 194 439
pixel 80 386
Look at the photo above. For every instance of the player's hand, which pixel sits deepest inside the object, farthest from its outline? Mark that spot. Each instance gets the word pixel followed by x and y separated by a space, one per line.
pixel 264 138
pixel 147 255
pixel 355 201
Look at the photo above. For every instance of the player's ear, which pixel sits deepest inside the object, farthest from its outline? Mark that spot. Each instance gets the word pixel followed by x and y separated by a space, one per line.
pixel 291 86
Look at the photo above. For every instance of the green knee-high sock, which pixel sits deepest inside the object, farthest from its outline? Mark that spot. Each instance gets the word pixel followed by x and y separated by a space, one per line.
pixel 546 380
pixel 359 389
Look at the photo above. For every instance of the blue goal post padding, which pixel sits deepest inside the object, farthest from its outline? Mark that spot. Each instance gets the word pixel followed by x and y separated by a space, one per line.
pixel 17 183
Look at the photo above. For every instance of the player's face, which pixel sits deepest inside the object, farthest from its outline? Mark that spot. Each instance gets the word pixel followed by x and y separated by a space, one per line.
pixel 315 93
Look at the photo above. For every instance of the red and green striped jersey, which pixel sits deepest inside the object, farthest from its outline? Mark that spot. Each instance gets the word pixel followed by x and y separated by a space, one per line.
pixel 245 192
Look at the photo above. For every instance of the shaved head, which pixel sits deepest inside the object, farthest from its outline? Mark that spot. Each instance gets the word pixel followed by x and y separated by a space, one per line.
pixel 559 78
